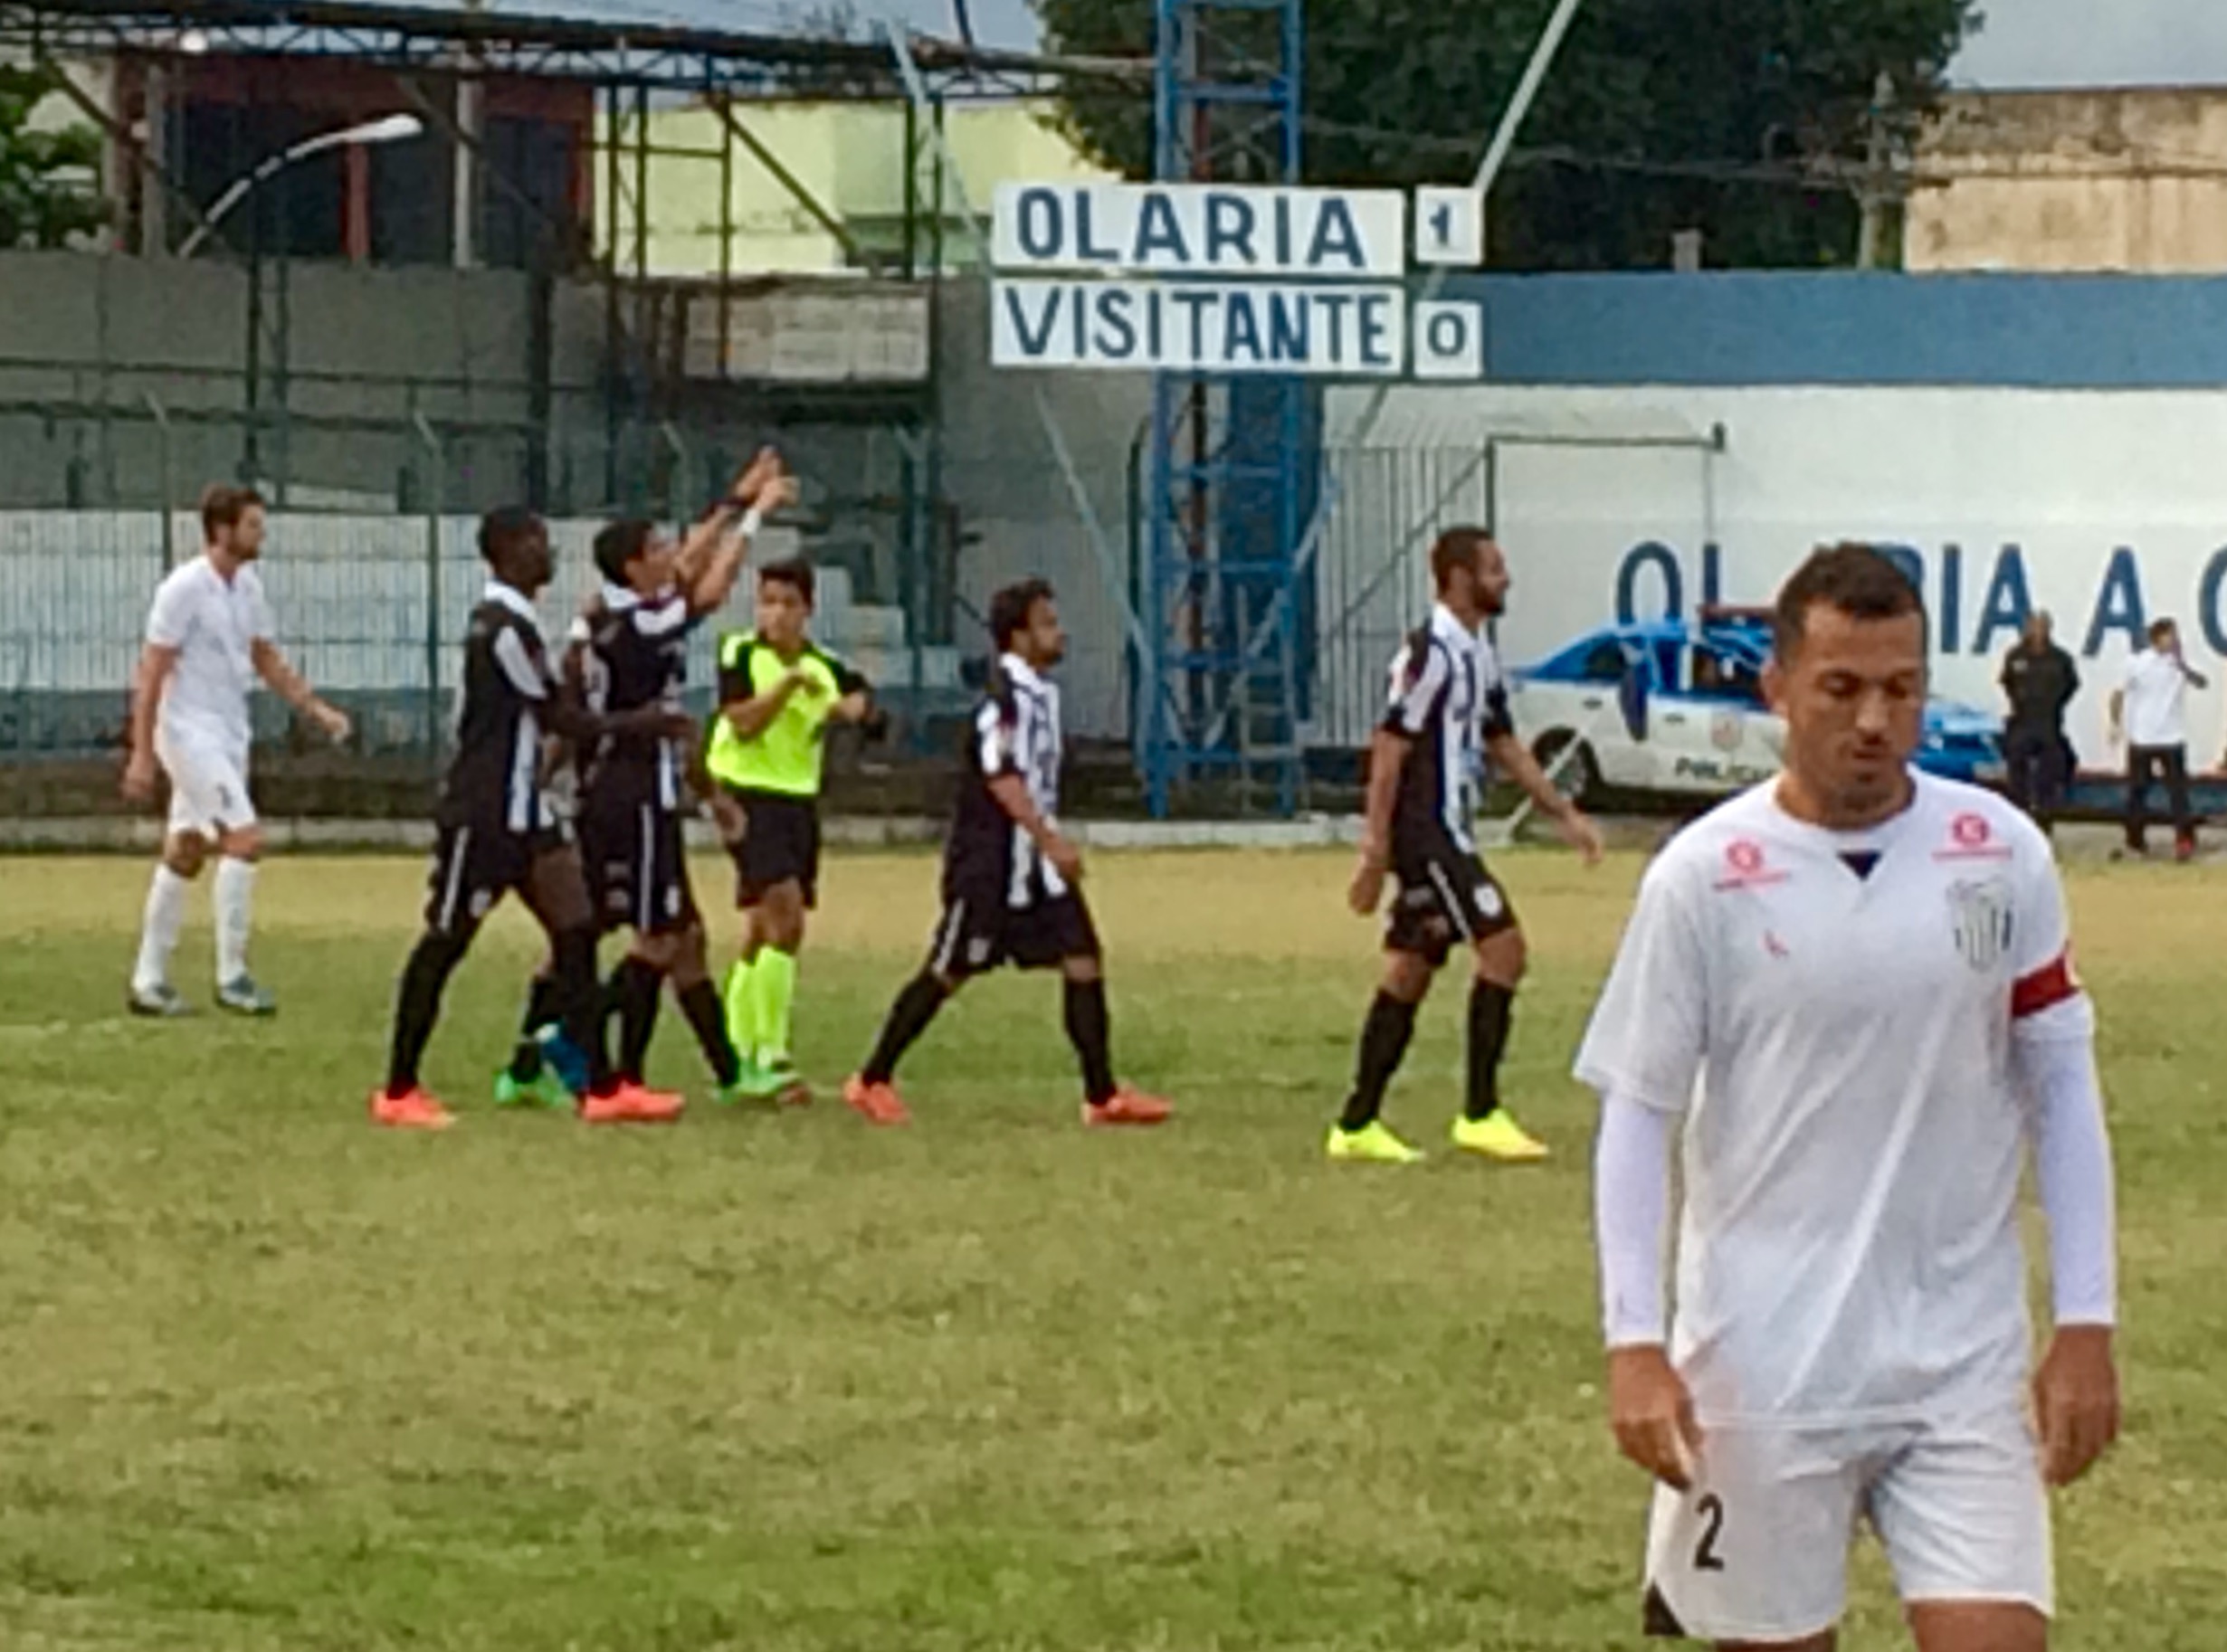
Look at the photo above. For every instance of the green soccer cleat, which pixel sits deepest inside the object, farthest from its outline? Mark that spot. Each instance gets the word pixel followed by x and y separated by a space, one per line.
pixel 542 1093
pixel 1373 1144
pixel 777 1086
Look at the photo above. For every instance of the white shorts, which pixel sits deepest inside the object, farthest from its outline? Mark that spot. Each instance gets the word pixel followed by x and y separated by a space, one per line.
pixel 208 785
pixel 1758 1549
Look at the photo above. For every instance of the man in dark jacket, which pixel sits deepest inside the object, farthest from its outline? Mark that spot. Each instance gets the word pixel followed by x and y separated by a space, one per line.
pixel 2041 680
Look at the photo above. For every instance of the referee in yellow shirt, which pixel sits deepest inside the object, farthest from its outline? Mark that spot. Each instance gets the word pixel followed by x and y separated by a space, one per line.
pixel 778 693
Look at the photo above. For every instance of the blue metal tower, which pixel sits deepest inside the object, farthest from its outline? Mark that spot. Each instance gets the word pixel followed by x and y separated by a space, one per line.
pixel 1228 489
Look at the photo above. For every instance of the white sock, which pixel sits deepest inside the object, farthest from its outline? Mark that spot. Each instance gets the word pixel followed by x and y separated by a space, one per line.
pixel 235 901
pixel 158 930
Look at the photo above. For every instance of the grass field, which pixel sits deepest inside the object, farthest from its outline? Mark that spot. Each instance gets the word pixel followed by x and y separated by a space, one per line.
pixel 278 1381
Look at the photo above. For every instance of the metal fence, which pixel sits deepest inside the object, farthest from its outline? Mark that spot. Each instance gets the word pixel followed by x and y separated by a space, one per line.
pixel 373 606
pixel 373 609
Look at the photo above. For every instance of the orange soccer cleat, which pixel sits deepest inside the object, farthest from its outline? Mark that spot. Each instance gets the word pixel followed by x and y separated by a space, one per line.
pixel 632 1103
pixel 1127 1106
pixel 877 1103
pixel 412 1110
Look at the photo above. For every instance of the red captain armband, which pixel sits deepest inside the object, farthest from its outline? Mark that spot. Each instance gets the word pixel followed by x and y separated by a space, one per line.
pixel 2045 988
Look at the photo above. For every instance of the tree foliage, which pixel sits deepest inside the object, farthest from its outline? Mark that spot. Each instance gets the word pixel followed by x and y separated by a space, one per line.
pixel 1747 119
pixel 49 193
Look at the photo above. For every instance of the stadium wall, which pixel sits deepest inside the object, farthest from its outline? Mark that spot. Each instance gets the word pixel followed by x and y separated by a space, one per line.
pixel 2108 509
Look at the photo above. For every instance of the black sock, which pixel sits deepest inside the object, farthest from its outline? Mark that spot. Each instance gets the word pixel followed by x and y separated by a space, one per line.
pixel 914 1008
pixel 636 987
pixel 580 1004
pixel 418 1005
pixel 540 1012
pixel 1391 1023
pixel 1089 1030
pixel 700 1004
pixel 1490 1006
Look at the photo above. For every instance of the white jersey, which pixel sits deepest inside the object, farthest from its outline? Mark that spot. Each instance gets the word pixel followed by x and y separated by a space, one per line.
pixel 1832 1014
pixel 2156 689
pixel 214 624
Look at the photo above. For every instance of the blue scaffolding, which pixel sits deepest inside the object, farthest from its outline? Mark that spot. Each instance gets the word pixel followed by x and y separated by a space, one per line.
pixel 1229 488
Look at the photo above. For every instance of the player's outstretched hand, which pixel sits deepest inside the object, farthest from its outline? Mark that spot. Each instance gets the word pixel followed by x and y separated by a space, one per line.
pixel 139 777
pixel 1652 1414
pixel 2075 1402
pixel 778 494
pixel 1581 834
pixel 764 467
pixel 1367 892
pixel 332 722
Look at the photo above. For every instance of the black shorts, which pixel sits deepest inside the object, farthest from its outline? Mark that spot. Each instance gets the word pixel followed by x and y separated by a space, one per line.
pixel 781 844
pixel 636 857
pixel 977 934
pixel 475 866
pixel 1445 898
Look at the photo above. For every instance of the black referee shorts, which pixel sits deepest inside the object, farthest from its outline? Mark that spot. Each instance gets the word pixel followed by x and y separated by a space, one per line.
pixel 980 931
pixel 1446 897
pixel 780 844
pixel 636 857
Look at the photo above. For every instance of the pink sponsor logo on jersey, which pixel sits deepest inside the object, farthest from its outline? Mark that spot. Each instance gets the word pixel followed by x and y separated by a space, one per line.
pixel 1972 837
pixel 1746 867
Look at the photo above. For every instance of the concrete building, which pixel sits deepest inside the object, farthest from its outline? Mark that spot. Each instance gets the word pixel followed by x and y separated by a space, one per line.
pixel 2121 179
pixel 849 159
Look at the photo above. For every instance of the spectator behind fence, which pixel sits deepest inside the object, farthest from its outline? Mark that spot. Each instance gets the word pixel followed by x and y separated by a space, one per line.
pixel 2040 679
pixel 2151 710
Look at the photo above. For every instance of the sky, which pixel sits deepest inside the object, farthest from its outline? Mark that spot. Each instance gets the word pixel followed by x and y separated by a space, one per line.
pixel 2091 43
pixel 2025 43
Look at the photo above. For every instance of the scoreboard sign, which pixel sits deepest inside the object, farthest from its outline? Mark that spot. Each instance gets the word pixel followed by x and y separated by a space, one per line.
pixel 1198 278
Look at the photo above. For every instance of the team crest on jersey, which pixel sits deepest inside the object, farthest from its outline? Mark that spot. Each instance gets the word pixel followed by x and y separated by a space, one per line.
pixel 1981 914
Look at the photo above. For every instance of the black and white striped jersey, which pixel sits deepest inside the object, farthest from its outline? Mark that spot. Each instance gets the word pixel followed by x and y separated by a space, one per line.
pixel 494 780
pixel 1449 698
pixel 1015 731
pixel 634 654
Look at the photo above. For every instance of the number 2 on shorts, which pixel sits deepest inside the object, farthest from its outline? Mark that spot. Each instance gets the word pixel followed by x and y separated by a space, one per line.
pixel 1711 1508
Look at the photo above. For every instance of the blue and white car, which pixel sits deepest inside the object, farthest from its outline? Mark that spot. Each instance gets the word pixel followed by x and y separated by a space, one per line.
pixel 1676 707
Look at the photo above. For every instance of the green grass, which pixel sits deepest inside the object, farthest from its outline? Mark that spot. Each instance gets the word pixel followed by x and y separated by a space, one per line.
pixel 276 1380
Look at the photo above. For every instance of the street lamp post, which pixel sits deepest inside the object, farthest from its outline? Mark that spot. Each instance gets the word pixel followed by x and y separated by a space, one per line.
pixel 386 128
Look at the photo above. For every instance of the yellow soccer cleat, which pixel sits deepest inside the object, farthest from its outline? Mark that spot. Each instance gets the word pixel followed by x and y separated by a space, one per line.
pixel 1499 1137
pixel 1373 1144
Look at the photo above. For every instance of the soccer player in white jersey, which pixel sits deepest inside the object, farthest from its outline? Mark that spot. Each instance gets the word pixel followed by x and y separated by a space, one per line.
pixel 208 638
pixel 1852 989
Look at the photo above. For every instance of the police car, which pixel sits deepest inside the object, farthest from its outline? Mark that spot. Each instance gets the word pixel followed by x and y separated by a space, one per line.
pixel 1676 706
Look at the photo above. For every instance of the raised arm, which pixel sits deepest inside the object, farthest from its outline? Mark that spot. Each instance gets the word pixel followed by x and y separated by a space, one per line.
pixel 715 550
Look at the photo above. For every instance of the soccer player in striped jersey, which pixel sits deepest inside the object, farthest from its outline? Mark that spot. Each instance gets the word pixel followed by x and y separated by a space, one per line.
pixel 629 654
pixel 1448 715
pixel 1012 883
pixel 498 834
